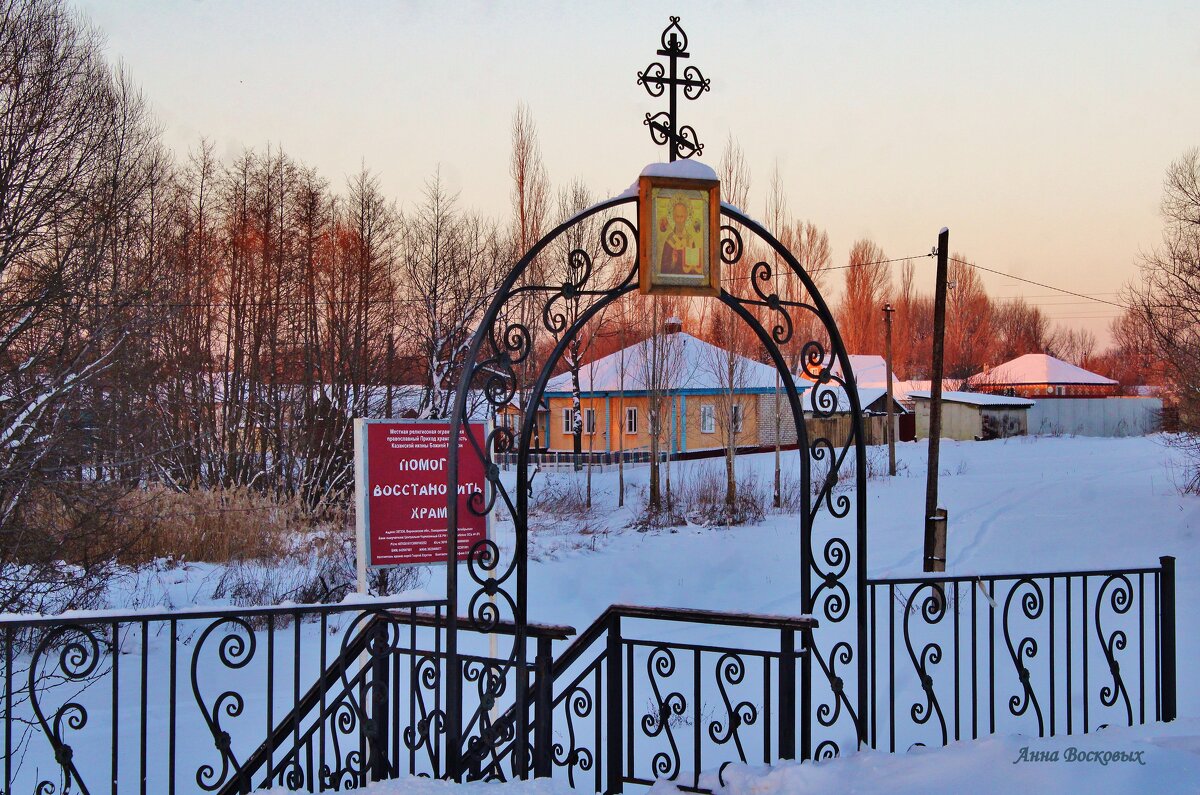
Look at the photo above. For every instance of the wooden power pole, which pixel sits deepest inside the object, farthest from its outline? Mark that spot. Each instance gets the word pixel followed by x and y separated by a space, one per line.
pixel 935 517
pixel 891 428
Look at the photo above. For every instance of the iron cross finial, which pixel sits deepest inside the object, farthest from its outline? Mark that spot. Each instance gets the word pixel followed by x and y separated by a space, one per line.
pixel 664 126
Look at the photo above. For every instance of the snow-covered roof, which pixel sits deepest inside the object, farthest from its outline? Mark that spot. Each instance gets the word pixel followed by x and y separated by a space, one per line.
pixel 903 390
pixel 976 399
pixel 869 370
pixel 866 396
pixel 1038 368
pixel 691 363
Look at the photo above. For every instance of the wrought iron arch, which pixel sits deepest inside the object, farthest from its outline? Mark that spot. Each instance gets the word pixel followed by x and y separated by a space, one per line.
pixel 833 568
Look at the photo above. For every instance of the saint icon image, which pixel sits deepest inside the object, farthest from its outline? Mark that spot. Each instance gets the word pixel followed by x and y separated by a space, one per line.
pixel 678 236
pixel 681 246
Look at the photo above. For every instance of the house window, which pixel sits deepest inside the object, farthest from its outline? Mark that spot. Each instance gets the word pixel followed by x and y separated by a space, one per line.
pixel 631 419
pixel 568 421
pixel 589 420
pixel 737 418
pixel 708 418
pixel 1058 390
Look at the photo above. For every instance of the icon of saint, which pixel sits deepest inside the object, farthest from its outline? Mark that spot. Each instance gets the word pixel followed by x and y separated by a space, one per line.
pixel 681 248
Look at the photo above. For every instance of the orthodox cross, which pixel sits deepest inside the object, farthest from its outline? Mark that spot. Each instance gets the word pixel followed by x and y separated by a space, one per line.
pixel 664 126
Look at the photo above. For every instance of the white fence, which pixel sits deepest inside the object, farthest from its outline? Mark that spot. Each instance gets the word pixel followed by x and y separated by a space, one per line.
pixel 1095 417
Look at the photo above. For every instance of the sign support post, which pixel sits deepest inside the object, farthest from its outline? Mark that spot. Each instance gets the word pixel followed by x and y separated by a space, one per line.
pixel 360 504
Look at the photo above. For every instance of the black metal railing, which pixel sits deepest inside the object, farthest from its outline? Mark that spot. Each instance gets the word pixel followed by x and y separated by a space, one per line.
pixel 956 657
pixel 629 707
pixel 327 697
pixel 182 701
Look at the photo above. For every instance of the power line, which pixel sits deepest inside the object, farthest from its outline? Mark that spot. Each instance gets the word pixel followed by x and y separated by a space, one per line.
pixel 876 262
pixel 1039 284
pixel 1058 290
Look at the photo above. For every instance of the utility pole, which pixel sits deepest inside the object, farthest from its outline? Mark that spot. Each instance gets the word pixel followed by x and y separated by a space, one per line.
pixel 935 517
pixel 891 428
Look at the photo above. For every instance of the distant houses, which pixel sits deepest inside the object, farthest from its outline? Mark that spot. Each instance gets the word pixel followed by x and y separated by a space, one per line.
pixel 1040 376
pixel 702 406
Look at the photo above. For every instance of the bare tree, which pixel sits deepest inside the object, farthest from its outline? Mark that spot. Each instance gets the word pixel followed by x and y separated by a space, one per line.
pixel 577 259
pixel 448 265
pixel 1074 345
pixel 1018 329
pixel 1133 357
pixel 969 334
pixel 865 290
pixel 1167 298
pixel 729 367
pixel 531 200
pixel 660 361
pixel 77 159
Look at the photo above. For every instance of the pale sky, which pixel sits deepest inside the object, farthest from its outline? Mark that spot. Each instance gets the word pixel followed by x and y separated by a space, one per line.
pixel 1037 132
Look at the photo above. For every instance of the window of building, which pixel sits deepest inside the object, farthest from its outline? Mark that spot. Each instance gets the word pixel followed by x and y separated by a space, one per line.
pixel 1058 390
pixel 737 418
pixel 589 420
pixel 708 418
pixel 568 421
pixel 631 419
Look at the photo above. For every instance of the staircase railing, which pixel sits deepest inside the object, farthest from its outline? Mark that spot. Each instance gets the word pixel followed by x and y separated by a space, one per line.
pixel 621 706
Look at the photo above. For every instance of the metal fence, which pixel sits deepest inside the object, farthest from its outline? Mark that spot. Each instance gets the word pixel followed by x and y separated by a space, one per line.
pixel 328 697
pixel 321 698
pixel 311 698
pixel 1096 417
pixel 631 706
pixel 1041 654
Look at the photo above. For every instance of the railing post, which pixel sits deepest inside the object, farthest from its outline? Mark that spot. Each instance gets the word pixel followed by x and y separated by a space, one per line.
pixel 613 704
pixel 1167 589
pixel 787 694
pixel 378 726
pixel 520 754
pixel 543 709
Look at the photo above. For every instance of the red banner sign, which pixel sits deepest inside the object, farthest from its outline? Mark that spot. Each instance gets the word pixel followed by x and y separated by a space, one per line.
pixel 407 463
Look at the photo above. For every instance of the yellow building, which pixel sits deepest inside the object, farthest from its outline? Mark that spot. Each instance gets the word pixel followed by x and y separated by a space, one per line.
pixel 705 394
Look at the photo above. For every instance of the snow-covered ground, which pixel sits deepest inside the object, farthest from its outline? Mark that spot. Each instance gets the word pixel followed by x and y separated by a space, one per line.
pixel 1022 504
pixel 1152 760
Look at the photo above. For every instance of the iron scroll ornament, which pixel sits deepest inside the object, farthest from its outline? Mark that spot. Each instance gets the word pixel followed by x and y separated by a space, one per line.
pixel 832 569
pixel 79 651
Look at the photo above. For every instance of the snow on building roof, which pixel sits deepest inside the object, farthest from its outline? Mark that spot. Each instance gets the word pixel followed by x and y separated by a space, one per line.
pixel 866 396
pixel 976 399
pixel 869 370
pixel 1038 368
pixel 902 390
pixel 690 362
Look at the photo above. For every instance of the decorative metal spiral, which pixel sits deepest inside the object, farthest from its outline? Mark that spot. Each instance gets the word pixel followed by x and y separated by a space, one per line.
pixel 1031 602
pixel 841 654
pixel 932 610
pixel 234 651
pixel 731 244
pixel 78 661
pixel 661 664
pixel 579 704
pixel 730 670
pixel 1120 600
